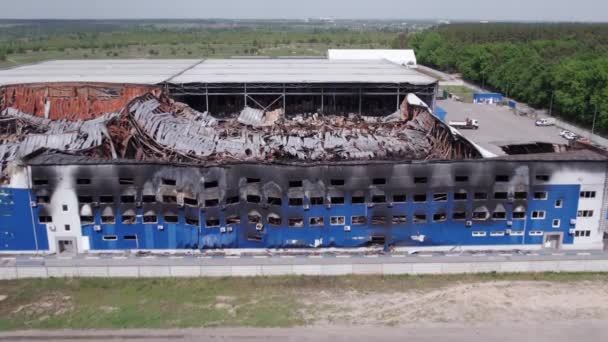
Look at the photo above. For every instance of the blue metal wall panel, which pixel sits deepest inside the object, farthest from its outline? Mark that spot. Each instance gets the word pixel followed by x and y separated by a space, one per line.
pixel 18 231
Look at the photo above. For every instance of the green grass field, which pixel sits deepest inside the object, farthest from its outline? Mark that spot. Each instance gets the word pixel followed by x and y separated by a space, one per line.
pixel 205 302
pixel 465 93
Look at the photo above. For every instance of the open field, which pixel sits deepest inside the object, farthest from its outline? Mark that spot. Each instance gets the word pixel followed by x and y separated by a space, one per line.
pixel 296 301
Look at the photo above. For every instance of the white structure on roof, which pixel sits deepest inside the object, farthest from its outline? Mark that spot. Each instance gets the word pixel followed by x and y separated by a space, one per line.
pixel 183 71
pixel 404 57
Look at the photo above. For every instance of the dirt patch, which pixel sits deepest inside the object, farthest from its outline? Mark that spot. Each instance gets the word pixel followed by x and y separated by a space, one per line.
pixel 3 297
pixel 45 307
pixel 476 302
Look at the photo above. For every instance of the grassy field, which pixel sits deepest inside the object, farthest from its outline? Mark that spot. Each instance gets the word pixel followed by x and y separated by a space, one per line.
pixel 201 302
pixel 465 93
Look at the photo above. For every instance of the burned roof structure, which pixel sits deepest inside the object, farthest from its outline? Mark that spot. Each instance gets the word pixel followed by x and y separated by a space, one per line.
pixel 279 111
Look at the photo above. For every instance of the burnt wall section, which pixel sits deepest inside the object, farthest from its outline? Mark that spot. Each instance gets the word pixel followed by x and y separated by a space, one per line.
pixel 71 101
pixel 260 206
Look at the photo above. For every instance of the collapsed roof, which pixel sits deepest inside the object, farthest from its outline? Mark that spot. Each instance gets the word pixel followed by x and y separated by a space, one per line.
pixel 109 121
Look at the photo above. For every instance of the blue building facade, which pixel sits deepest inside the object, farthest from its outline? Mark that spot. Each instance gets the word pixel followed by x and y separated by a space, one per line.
pixel 482 204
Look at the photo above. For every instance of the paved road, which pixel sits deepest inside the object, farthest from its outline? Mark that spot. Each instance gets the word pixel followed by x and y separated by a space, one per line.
pixel 540 331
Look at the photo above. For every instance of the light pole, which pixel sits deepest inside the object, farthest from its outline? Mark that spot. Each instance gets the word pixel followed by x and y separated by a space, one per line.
pixel 551 103
pixel 594 116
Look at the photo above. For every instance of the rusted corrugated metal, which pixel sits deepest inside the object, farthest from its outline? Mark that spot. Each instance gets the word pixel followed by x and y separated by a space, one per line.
pixel 72 101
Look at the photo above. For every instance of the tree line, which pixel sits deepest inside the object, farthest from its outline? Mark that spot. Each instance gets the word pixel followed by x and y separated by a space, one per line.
pixel 560 65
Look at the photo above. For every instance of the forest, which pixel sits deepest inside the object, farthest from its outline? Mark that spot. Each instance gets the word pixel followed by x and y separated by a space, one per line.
pixel 559 66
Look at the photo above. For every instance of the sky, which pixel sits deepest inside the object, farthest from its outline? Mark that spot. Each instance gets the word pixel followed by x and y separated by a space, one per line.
pixel 511 10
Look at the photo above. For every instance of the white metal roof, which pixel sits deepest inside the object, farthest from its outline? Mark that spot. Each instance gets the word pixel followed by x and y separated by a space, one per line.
pixel 180 71
pixel 143 71
pixel 402 57
pixel 300 71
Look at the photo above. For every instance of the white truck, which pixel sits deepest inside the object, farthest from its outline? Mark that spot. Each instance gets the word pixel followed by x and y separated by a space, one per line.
pixel 466 124
pixel 545 122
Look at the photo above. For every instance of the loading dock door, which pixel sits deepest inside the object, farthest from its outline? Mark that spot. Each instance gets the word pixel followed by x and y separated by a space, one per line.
pixel 553 241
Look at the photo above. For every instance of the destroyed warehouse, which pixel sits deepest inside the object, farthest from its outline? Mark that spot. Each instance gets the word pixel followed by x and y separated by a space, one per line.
pixel 103 155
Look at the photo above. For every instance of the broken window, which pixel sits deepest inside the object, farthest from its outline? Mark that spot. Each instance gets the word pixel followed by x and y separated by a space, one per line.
pixel 150 218
pixel 128 219
pixel 253 199
pixel 235 219
pixel 538 214
pixel 378 220
pixel 587 194
pixel 559 203
pixel 296 222
pixel 379 181
pixel 85 199
pixel 109 238
pixel 251 180
pixel 233 200
pixel 480 196
pixel 420 180
pixel 171 218
pixel 127 199
pixel 107 219
pixel 209 185
pixel 316 200
pixel 316 221
pixel 459 215
pixel 439 217
pixel 480 215
pixel 106 199
pixel 336 182
pixel 295 184
pixel 191 221
pixel 169 199
pixel 540 195
pixel 192 202
pixel 399 198
pixel 461 179
pixel 519 215
pixel 520 195
pixel 212 202
pixel 130 237
pixel 542 178
pixel 86 219
pixel 499 215
pixel 254 218
pixel 168 181
pixel 378 199
pixel 337 200
pixel 419 218
pixel 45 219
pixel 274 220
pixel 126 181
pixel 357 199
pixel 420 198
pixel 212 222
pixel 83 181
pixel 583 213
pixel 358 220
pixel 148 198
pixel 295 201
pixel 274 201
pixel 500 195
pixel 337 220
pixel 43 199
pixel 502 178
pixel 398 219
pixel 440 197
pixel 41 181
pixel 460 196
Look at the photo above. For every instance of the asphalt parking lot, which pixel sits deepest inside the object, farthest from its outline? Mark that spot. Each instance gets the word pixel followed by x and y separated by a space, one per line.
pixel 499 126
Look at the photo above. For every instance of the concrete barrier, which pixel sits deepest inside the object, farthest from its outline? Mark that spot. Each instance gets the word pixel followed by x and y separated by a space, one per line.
pixel 386 268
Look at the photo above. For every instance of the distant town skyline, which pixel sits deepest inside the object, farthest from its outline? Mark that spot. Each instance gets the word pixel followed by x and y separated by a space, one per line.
pixel 491 10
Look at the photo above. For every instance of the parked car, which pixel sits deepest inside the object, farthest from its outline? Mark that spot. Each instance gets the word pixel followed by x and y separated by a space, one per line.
pixel 568 135
pixel 545 122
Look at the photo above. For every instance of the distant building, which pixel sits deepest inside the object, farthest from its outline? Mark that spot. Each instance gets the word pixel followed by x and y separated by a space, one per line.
pixel 405 57
pixel 487 98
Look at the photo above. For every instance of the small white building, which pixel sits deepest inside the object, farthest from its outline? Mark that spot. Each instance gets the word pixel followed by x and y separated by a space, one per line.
pixel 405 57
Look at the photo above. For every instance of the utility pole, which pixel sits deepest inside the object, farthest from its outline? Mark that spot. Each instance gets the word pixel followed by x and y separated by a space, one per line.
pixel 551 103
pixel 594 116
